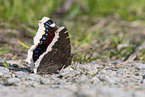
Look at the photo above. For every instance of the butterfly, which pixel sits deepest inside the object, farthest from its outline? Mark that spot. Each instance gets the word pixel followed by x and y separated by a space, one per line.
pixel 51 50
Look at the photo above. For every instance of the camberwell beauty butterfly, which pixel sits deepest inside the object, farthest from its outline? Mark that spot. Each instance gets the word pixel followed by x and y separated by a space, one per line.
pixel 51 50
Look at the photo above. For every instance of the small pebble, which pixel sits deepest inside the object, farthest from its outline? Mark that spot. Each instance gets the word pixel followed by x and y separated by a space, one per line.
pixel 13 80
pixel 3 71
pixel 45 81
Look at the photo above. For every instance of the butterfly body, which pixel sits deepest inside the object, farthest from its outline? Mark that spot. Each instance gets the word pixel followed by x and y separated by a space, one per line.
pixel 51 50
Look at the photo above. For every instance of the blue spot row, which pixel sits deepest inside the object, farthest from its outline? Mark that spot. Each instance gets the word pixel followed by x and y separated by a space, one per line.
pixel 39 48
pixel 36 55
pixel 36 51
pixel 48 23
pixel 41 42
pixel 43 38
pixel 46 26
pixel 46 34
pixel 47 30
pixel 36 59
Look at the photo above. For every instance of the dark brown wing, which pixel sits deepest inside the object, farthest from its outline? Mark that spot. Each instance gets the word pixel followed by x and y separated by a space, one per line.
pixel 58 57
pixel 45 40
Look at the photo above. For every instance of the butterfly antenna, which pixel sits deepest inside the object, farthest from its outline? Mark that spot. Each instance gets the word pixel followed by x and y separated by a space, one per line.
pixel 80 50
pixel 76 48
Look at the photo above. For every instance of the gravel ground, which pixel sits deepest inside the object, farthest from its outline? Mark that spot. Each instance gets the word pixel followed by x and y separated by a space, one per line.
pixel 80 80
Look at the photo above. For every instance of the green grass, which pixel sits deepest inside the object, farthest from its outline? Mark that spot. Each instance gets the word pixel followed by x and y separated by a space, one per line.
pixel 29 12
pixel 82 16
pixel 6 64
pixel 128 9
pixel 4 50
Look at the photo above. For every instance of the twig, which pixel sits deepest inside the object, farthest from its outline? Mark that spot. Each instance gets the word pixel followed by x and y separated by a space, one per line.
pixel 61 69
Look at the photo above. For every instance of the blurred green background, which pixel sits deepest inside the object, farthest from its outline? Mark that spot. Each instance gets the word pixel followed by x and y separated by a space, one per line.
pixel 97 28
